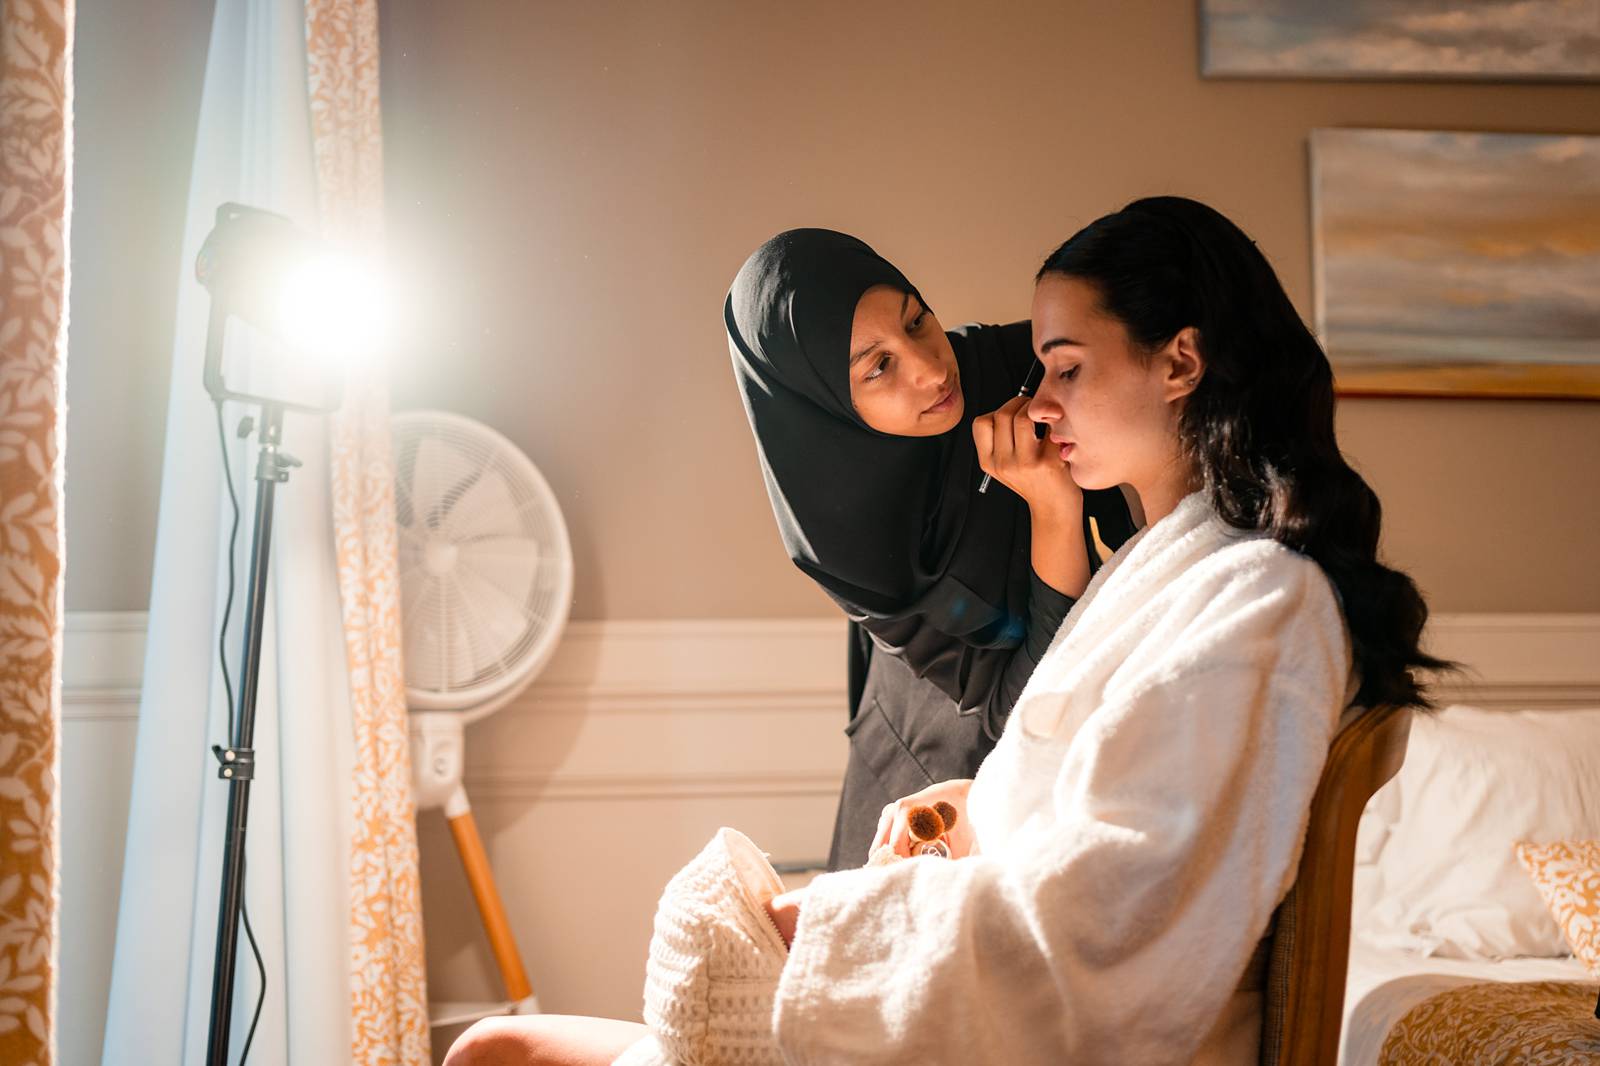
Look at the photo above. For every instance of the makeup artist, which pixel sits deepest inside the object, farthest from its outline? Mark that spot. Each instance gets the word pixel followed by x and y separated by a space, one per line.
pixel 875 428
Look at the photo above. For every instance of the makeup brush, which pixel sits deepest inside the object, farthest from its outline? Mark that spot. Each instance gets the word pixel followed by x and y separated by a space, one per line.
pixel 926 826
pixel 1028 385
pixel 924 823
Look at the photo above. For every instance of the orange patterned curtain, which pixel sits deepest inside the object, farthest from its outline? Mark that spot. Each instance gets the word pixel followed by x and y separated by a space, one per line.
pixel 389 994
pixel 35 175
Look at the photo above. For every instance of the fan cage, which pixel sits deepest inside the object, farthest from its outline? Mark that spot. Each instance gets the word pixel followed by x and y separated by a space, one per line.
pixel 485 563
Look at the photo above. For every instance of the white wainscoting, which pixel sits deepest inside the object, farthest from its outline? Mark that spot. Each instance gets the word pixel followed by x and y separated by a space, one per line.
pixel 595 785
pixel 102 662
pixel 1519 660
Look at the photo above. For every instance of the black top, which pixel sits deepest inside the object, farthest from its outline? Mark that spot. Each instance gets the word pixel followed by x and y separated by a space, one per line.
pixel 893 528
pixel 889 525
pixel 988 680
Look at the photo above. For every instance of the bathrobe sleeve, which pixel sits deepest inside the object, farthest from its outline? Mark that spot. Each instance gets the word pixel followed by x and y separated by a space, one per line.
pixel 1114 926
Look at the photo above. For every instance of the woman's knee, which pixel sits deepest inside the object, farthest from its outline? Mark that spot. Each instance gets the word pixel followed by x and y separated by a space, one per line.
pixel 496 1042
pixel 543 1040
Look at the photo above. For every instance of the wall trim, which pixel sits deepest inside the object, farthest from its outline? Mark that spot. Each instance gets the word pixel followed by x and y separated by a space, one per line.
pixel 1519 660
pixel 102 662
pixel 524 787
pixel 795 667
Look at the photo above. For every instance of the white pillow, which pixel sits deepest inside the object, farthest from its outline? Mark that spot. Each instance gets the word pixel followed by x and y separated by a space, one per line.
pixel 1377 822
pixel 1446 880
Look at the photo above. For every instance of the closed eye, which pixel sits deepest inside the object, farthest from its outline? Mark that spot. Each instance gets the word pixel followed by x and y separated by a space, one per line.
pixel 1068 374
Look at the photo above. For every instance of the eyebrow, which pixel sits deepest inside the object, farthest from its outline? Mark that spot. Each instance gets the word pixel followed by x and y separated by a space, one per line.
pixel 1058 342
pixel 856 357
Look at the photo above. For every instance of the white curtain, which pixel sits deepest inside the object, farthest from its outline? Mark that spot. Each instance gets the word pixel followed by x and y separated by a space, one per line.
pixel 254 146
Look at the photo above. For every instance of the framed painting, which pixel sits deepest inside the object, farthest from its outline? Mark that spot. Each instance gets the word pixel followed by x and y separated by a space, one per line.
pixel 1498 40
pixel 1457 264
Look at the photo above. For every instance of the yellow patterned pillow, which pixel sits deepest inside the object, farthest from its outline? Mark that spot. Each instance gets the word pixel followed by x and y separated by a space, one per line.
pixel 1567 875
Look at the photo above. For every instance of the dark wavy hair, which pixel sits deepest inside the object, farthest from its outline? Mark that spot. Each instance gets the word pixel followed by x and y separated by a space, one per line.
pixel 1259 426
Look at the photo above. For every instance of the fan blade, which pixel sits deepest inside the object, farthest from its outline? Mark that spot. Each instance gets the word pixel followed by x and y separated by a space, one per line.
pixel 500 614
pixel 510 565
pixel 442 466
pixel 420 641
pixel 487 507
pixel 506 569
pixel 460 666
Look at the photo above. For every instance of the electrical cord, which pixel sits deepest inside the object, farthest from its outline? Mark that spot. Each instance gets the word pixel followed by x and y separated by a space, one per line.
pixel 227 686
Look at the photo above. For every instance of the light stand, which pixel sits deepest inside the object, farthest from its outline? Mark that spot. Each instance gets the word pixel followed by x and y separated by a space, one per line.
pixel 243 264
pixel 238 760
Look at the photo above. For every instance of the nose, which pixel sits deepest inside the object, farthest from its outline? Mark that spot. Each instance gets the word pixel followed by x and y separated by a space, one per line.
pixel 927 370
pixel 1043 407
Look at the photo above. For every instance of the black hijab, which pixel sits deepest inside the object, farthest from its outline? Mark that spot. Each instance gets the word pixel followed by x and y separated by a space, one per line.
pixel 890 526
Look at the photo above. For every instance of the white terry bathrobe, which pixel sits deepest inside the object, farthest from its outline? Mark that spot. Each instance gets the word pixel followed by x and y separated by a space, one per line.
pixel 1138 823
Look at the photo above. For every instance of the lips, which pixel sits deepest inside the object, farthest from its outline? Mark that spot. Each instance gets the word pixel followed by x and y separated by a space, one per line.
pixel 945 402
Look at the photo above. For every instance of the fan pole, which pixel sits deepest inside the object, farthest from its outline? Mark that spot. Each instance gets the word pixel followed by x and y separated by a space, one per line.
pixel 476 863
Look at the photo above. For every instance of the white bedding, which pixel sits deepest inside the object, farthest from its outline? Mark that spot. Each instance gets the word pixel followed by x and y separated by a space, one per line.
pixel 1386 983
pixel 1436 865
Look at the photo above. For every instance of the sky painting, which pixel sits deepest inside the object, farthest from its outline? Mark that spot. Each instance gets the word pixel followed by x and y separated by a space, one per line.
pixel 1456 248
pixel 1512 39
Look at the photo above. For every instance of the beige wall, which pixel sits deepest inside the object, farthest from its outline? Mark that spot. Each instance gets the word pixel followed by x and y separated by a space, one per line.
pixel 572 186
pixel 138 69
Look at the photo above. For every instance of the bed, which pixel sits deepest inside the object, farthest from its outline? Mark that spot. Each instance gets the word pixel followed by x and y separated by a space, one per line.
pixel 1385 984
pixel 1461 949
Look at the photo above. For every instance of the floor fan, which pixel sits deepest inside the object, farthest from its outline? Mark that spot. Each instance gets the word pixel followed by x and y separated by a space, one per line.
pixel 485 585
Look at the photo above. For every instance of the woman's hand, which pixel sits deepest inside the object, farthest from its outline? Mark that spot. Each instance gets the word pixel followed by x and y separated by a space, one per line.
pixel 893 830
pixel 1009 452
pixel 784 910
pixel 1034 470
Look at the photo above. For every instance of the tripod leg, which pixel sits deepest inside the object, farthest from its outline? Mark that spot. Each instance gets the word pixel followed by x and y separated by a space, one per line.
pixel 481 878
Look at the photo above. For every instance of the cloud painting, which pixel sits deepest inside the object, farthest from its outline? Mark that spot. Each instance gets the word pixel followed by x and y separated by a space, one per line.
pixel 1490 39
pixel 1465 252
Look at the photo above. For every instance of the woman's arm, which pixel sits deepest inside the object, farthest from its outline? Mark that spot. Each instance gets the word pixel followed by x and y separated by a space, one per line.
pixel 988 680
pixel 1047 609
pixel 981 680
pixel 1060 557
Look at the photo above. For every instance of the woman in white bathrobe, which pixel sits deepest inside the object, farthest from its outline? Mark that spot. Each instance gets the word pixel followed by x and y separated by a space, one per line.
pixel 1121 851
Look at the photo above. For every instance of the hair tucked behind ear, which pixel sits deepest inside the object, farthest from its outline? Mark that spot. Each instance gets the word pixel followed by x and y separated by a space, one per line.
pixel 1259 426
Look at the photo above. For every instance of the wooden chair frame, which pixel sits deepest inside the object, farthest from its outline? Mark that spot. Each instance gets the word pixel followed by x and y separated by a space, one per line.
pixel 1309 954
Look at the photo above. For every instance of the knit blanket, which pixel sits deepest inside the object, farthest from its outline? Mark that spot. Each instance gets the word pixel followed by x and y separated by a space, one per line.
pixel 714 962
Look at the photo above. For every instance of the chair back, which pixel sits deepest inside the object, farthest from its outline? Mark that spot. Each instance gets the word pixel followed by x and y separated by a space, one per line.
pixel 1309 952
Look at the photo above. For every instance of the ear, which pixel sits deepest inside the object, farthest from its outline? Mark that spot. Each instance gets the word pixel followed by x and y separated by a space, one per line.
pixel 1181 364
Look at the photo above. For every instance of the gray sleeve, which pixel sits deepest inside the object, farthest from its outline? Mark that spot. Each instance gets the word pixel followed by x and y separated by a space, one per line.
pixel 983 681
pixel 1047 609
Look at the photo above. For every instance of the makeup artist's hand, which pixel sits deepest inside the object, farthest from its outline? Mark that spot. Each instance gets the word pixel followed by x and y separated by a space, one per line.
pixel 784 910
pixel 893 828
pixel 1013 455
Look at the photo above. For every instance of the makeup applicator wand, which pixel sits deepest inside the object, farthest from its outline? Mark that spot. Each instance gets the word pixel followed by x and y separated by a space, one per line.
pixel 1039 429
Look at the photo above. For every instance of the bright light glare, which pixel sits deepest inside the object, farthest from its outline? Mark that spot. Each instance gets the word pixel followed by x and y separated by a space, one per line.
pixel 334 305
